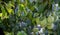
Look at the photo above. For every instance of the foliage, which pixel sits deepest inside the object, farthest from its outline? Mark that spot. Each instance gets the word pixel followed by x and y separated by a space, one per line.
pixel 17 15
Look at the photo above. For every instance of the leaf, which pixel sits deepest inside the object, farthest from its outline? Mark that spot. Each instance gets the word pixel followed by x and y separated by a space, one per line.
pixel 9 7
pixel 9 10
pixel 43 22
pixel 33 21
pixel 22 5
pixel 3 9
pixel 38 20
pixel 49 26
pixel 7 33
pixel 42 7
pixel 21 33
pixel 0 14
pixel 4 13
pixel 35 30
pixel 50 19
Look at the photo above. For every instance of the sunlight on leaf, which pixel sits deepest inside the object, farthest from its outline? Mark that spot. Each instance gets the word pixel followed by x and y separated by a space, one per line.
pixel 0 14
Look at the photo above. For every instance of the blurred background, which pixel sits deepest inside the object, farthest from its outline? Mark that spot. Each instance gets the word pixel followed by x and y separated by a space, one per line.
pixel 30 17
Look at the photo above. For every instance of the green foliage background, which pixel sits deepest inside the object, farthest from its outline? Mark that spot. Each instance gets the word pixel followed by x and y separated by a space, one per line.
pixel 38 12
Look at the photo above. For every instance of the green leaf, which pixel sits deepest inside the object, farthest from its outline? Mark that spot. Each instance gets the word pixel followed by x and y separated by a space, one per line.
pixel 35 30
pixel 43 22
pixel 0 14
pixel 21 33
pixel 50 19
pixel 38 20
